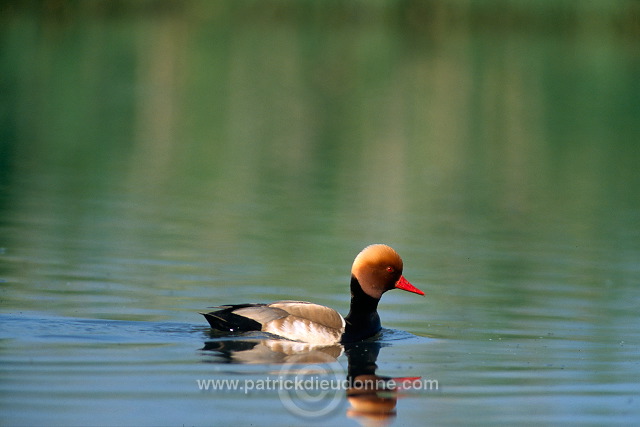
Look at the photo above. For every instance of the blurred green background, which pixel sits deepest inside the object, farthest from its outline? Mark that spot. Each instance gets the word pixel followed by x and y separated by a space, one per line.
pixel 288 130
pixel 393 114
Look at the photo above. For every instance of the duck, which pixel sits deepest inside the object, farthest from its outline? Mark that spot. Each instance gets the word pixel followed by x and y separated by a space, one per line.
pixel 375 270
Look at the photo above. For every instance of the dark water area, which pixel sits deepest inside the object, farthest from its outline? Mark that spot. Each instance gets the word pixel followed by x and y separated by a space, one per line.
pixel 159 158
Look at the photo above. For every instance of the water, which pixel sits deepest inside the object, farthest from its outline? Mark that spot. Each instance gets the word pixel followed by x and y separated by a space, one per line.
pixel 157 159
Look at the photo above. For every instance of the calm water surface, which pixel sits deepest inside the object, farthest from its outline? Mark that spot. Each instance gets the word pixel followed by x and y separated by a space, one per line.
pixel 157 159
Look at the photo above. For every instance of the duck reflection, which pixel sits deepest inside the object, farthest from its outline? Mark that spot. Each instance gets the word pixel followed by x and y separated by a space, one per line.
pixel 271 351
pixel 372 398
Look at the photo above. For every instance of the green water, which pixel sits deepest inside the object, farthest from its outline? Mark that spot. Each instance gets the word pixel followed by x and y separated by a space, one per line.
pixel 158 158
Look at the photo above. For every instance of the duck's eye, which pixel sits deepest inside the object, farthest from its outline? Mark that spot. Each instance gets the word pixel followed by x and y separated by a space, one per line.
pixel 390 269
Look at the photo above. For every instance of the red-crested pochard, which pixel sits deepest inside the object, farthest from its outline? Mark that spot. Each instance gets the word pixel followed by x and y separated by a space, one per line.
pixel 377 269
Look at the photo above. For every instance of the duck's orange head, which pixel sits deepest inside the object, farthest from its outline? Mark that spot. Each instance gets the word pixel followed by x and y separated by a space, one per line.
pixel 378 268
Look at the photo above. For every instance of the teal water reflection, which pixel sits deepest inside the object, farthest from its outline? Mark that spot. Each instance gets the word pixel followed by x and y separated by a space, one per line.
pixel 159 158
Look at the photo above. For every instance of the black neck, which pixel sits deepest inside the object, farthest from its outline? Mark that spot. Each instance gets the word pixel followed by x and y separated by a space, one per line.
pixel 363 320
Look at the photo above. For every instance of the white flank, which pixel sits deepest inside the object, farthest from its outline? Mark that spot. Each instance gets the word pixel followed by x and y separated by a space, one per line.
pixel 297 329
